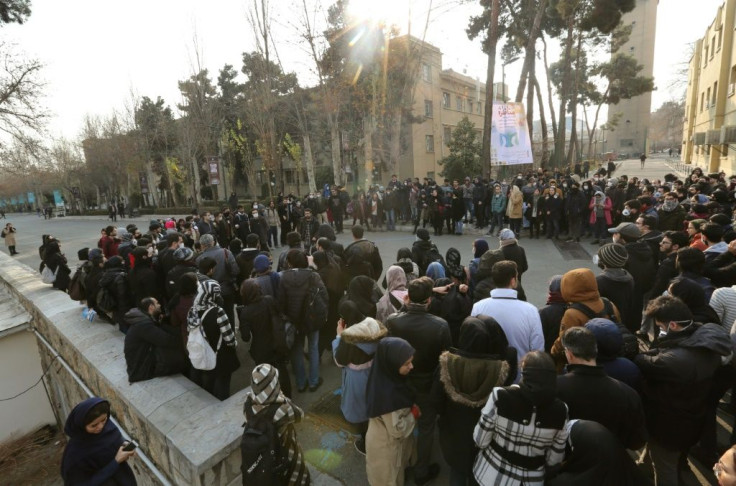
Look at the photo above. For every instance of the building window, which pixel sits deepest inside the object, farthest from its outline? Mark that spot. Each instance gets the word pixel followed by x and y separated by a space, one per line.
pixel 713 50
pixel 289 176
pixel 427 72
pixel 459 103
pixel 707 99
pixel 715 90
pixel 480 107
pixel 702 98
pixel 447 134
pixel 720 38
pixel 428 108
pixel 429 142
pixel 445 100
pixel 470 106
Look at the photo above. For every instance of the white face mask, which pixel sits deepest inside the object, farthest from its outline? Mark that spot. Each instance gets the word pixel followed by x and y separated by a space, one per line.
pixel 181 244
pixel 255 215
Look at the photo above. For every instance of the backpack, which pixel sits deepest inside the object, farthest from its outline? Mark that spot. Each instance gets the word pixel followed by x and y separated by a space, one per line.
pixel 76 292
pixel 631 345
pixel 48 276
pixel 262 461
pixel 314 309
pixel 105 300
pixel 432 255
pixel 201 354
pixel 284 331
pixel 606 313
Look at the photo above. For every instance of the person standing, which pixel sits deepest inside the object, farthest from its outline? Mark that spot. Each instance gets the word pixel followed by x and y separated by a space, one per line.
pixel 392 412
pixel 8 234
pixel 519 320
pixel 600 216
pixel 522 428
pixel 498 206
pixel 642 159
pixel 430 336
pixel 272 218
pixel 514 210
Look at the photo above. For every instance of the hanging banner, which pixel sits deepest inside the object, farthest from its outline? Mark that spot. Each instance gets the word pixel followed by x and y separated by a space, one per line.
pixel 58 200
pixel 31 198
pixel 510 143
pixel 213 169
pixel 22 199
pixel 13 201
pixel 144 182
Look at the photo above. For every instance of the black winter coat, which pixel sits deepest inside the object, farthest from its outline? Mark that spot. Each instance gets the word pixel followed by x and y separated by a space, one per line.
pixel 361 257
pixel 256 323
pixel 116 280
pixel 150 349
pixel 617 285
pixel 143 283
pixel 677 375
pixel 294 288
pixel 591 395
pixel 58 261
pixel 551 317
pixel 516 254
pixel 174 275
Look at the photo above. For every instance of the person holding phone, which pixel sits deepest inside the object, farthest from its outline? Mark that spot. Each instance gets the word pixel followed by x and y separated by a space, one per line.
pixel 8 234
pixel 96 452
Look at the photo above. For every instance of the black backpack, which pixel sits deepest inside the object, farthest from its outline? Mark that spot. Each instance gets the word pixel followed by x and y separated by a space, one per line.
pixel 314 308
pixel 432 255
pixel 606 313
pixel 260 448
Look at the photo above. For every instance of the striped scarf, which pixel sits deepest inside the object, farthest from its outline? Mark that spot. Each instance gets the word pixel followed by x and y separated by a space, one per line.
pixel 206 300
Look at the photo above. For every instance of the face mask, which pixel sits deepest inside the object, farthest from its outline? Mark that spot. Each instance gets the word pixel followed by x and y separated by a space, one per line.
pixel 669 205
pixel 626 212
pixel 211 218
pixel 556 196
pixel 255 215
pixel 181 244
pixel 586 187
pixel 552 188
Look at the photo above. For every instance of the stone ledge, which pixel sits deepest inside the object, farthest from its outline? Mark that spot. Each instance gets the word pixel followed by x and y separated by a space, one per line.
pixel 190 435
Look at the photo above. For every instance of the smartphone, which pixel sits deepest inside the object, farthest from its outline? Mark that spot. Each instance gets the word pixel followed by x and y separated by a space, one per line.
pixel 130 446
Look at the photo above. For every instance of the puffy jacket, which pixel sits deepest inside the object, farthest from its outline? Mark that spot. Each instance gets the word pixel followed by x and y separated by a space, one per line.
pixel 116 281
pixel 498 203
pixel 677 377
pixel 151 350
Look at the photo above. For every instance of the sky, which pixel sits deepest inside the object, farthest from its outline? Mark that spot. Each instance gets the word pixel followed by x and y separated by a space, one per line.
pixel 99 55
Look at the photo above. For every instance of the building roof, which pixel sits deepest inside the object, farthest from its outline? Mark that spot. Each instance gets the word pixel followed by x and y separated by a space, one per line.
pixel 13 317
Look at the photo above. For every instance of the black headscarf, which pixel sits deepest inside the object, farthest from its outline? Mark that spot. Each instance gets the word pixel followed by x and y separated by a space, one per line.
pixel 364 293
pixel 454 268
pixel 350 313
pixel 539 382
pixel 597 457
pixel 482 337
pixel 86 454
pixel 387 390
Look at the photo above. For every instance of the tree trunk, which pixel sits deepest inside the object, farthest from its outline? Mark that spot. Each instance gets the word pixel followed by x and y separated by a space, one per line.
pixel 530 107
pixel 490 72
pixel 151 182
pixel 196 182
pixel 549 93
pixel 574 103
pixel 564 95
pixel 337 168
pixel 368 147
pixel 395 147
pixel 530 50
pixel 309 161
pixel 542 123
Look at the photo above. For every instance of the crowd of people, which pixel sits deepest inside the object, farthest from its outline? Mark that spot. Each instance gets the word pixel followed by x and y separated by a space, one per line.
pixel 634 358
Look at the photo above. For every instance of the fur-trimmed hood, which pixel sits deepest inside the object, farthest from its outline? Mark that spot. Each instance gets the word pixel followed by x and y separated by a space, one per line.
pixel 469 381
pixel 366 331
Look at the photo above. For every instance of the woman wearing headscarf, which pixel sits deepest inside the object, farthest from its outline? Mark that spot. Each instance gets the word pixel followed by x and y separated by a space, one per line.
pixel 694 228
pixel 600 216
pixel 329 272
pixel 435 271
pixel 219 334
pixel 94 454
pixel 515 210
pixel 522 428
pixel 353 350
pixel 393 299
pixel 390 406
pixel 596 457
pixel 454 267
pixel 256 322
pixel 451 300
pixel 55 260
pixel 265 392
pixel 365 294
pixel 403 260
pixel 465 378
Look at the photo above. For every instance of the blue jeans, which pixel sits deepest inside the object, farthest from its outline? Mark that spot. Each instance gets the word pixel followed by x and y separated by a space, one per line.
pixel 297 359
pixel 390 219
pixel 469 209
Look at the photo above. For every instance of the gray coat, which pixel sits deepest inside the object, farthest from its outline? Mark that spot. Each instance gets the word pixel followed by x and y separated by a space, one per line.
pixel 226 270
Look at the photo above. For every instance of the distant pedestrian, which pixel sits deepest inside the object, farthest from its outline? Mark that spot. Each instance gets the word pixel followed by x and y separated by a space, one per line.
pixel 642 159
pixel 9 234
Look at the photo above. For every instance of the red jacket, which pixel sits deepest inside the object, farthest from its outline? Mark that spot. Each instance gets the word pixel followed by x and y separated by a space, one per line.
pixel 606 210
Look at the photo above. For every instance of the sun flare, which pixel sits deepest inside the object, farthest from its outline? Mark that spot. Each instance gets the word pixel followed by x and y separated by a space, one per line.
pixel 392 12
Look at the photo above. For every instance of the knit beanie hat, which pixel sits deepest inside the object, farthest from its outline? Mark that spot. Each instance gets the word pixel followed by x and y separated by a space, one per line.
pixel 613 255
pixel 183 254
pixel 261 263
pixel 423 234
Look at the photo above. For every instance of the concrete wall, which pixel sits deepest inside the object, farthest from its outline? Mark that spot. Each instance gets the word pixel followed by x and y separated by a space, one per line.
pixel 190 436
pixel 20 367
